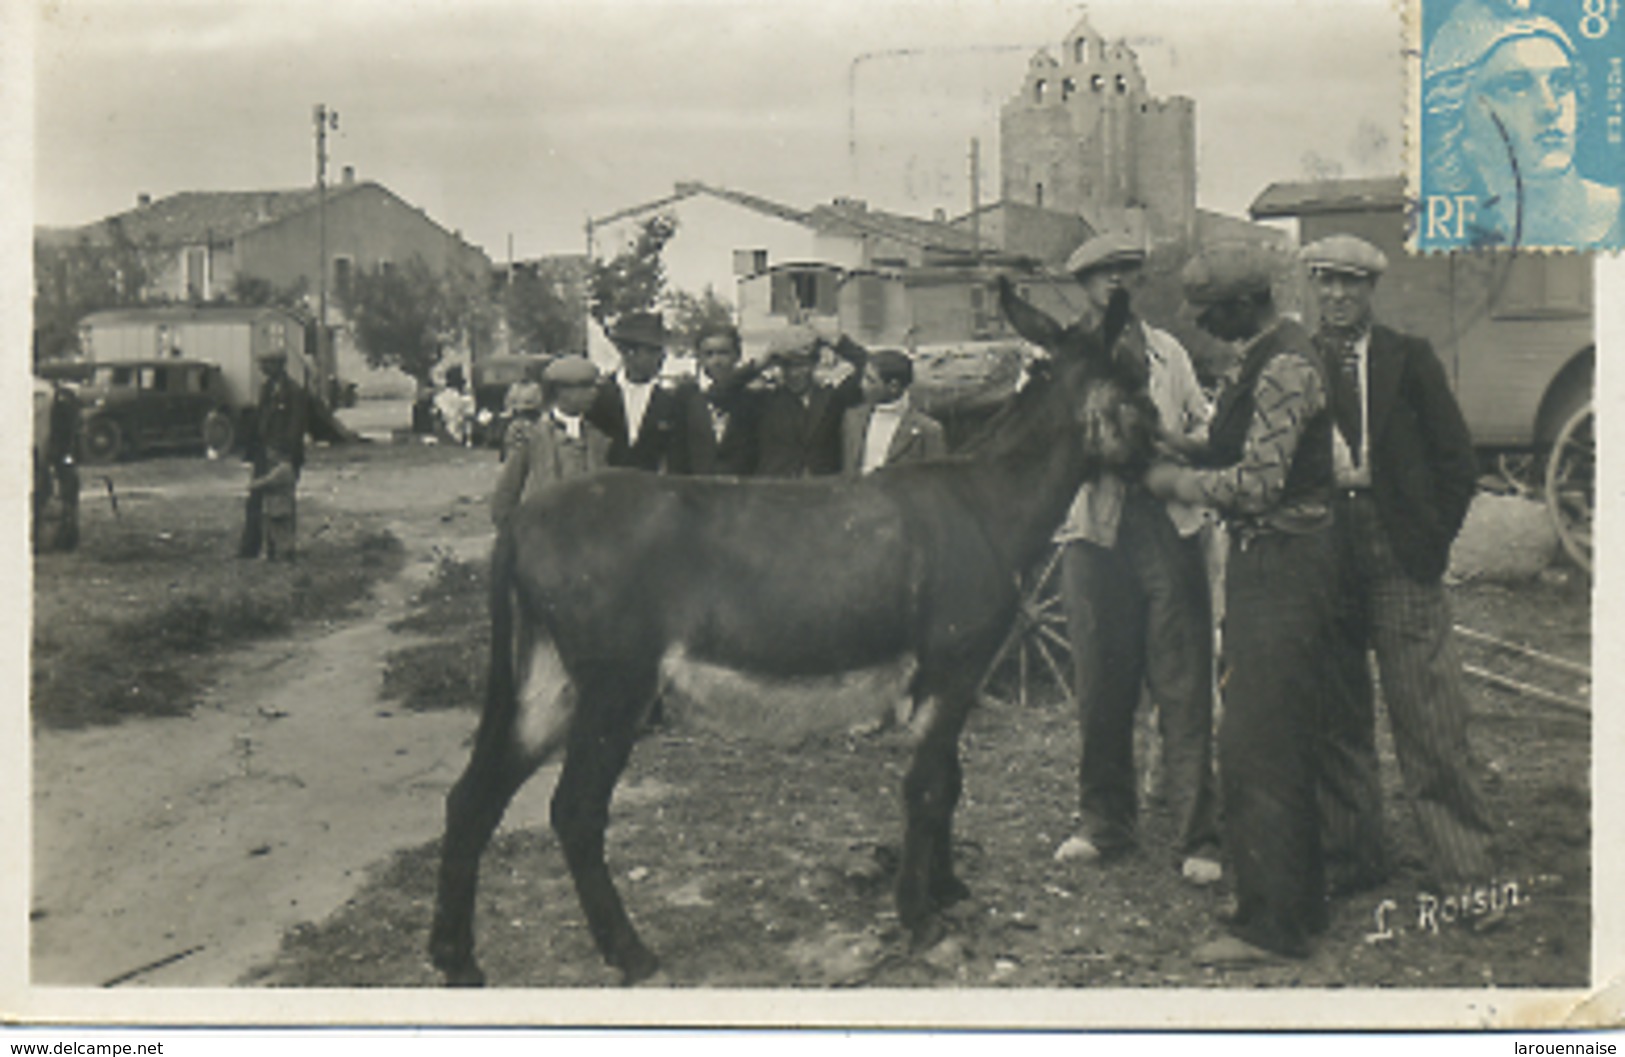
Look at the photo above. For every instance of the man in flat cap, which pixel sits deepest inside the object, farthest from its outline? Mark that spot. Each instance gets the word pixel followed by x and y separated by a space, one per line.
pixel 798 421
pixel 887 429
pixel 1267 467
pixel 643 418
pixel 276 451
pixel 721 408
pixel 1405 474
pixel 562 444
pixel 1135 588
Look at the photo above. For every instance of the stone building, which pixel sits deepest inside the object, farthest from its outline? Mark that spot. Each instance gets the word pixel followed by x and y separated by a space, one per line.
pixel 1085 136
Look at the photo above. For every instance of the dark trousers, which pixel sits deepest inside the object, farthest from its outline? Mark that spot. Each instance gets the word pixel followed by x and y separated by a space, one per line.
pixel 56 525
pixel 1278 613
pixel 1139 614
pixel 1407 624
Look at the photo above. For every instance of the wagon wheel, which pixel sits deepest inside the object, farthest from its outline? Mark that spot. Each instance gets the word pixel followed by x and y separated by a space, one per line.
pixel 1570 483
pixel 1520 471
pixel 1037 652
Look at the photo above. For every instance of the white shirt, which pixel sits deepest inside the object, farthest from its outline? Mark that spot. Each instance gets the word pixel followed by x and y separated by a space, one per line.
pixel 883 423
pixel 1355 472
pixel 635 396
pixel 570 424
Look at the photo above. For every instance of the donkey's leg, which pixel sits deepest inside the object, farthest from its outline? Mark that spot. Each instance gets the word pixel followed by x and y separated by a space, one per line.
pixel 930 793
pixel 516 735
pixel 499 766
pixel 612 702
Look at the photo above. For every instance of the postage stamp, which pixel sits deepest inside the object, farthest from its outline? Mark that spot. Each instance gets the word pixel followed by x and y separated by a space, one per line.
pixel 1517 134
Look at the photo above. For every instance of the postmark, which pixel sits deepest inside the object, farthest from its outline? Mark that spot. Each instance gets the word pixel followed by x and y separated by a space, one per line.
pixel 1517 135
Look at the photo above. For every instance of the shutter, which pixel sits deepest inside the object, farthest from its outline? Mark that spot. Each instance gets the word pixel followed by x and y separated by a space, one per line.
pixel 783 301
pixel 825 295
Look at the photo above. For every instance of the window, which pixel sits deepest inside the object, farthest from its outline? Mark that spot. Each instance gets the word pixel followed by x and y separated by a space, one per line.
pixel 1122 84
pixel 1080 49
pixel 1038 196
pixel 750 262
pixel 343 275
pixel 123 375
pixel 1039 88
pixel 1068 87
pixel 197 273
pixel 386 268
pixel 1097 82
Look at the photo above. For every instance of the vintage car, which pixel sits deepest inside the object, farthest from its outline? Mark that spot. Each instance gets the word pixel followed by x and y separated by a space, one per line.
pixel 138 405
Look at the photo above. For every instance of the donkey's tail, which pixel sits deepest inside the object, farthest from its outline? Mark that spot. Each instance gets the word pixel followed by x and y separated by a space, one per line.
pixel 501 695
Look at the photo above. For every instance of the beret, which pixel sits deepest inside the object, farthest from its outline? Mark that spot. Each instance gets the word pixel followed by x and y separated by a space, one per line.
pixel 1344 253
pixel 795 341
pixel 1226 270
pixel 570 370
pixel 1100 250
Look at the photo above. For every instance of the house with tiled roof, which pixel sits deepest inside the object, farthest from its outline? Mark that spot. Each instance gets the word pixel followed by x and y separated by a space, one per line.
pixel 197 245
pixel 201 246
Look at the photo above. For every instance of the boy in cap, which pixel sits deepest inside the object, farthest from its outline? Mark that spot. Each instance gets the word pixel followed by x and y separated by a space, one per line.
pixel 1405 473
pixel 1135 589
pixel 1267 468
pixel 643 419
pixel 562 444
pixel 798 423
pixel 721 408
pixel 886 429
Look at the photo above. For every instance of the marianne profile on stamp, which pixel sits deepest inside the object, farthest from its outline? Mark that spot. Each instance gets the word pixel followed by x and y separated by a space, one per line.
pixel 1520 115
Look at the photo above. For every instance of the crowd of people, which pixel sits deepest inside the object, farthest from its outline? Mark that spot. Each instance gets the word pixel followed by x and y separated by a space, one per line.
pixel 1336 465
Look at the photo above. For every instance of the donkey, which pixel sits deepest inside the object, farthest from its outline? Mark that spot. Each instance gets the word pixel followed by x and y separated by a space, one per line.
pixel 599 582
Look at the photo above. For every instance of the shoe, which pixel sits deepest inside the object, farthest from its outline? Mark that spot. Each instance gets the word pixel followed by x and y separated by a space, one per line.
pixel 1201 871
pixel 1078 849
pixel 1232 952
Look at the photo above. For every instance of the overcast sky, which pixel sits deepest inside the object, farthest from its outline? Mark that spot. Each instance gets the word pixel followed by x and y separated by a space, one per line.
pixel 525 117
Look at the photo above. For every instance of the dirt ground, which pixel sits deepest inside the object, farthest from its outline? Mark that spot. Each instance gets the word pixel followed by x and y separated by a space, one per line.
pixel 283 833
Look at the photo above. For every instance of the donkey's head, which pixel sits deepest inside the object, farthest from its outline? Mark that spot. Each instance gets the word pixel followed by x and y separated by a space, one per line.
pixel 1088 393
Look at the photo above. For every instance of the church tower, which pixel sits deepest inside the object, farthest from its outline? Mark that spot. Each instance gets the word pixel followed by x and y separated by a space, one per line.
pixel 1084 136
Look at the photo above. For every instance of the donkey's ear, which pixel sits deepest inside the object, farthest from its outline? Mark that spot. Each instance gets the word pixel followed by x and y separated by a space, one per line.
pixel 1031 323
pixel 1116 320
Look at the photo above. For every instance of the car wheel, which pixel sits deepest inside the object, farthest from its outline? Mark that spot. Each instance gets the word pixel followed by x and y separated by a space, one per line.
pixel 219 431
pixel 1571 469
pixel 104 440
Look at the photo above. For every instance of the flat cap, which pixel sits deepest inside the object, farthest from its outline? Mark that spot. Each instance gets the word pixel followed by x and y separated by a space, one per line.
pixel 570 370
pixel 1098 251
pixel 797 341
pixel 1227 270
pixel 1344 253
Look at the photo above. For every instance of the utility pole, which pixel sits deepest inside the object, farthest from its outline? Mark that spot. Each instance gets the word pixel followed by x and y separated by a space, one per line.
pixel 976 197
pixel 323 118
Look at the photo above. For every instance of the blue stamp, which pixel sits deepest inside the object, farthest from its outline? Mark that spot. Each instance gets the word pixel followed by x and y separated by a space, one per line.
pixel 1518 124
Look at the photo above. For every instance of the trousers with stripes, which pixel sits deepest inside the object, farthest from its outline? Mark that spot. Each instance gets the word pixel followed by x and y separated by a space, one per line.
pixel 1277 625
pixel 1408 626
pixel 1138 614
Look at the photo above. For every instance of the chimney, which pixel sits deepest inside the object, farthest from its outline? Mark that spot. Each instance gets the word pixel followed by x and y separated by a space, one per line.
pixel 143 200
pixel 349 175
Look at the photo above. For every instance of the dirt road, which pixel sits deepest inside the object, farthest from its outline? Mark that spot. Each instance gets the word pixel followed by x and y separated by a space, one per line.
pixel 178 850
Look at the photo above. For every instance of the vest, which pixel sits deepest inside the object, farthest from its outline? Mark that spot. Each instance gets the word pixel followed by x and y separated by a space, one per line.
pixel 1310 476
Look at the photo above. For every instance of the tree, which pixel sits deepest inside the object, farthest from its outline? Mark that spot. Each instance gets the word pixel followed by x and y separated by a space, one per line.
pixel 257 292
pixel 634 279
pixel 72 280
pixel 406 316
pixel 540 318
pixel 690 314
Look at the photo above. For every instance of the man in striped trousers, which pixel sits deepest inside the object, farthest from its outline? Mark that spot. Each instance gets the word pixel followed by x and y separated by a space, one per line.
pixel 1405 474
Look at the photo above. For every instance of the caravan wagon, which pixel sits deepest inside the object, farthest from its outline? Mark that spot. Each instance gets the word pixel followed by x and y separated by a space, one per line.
pixel 182 376
pixel 1515 332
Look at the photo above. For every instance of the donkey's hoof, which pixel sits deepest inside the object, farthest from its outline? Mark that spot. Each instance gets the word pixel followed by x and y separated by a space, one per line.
pixel 638 966
pixel 948 892
pixel 468 974
pixel 926 934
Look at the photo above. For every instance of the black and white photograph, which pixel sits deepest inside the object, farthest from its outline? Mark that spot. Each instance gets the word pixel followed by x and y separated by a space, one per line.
pixel 903 514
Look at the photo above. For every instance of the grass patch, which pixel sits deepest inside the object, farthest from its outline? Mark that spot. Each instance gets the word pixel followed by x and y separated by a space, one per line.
pixel 448 672
pixel 128 626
